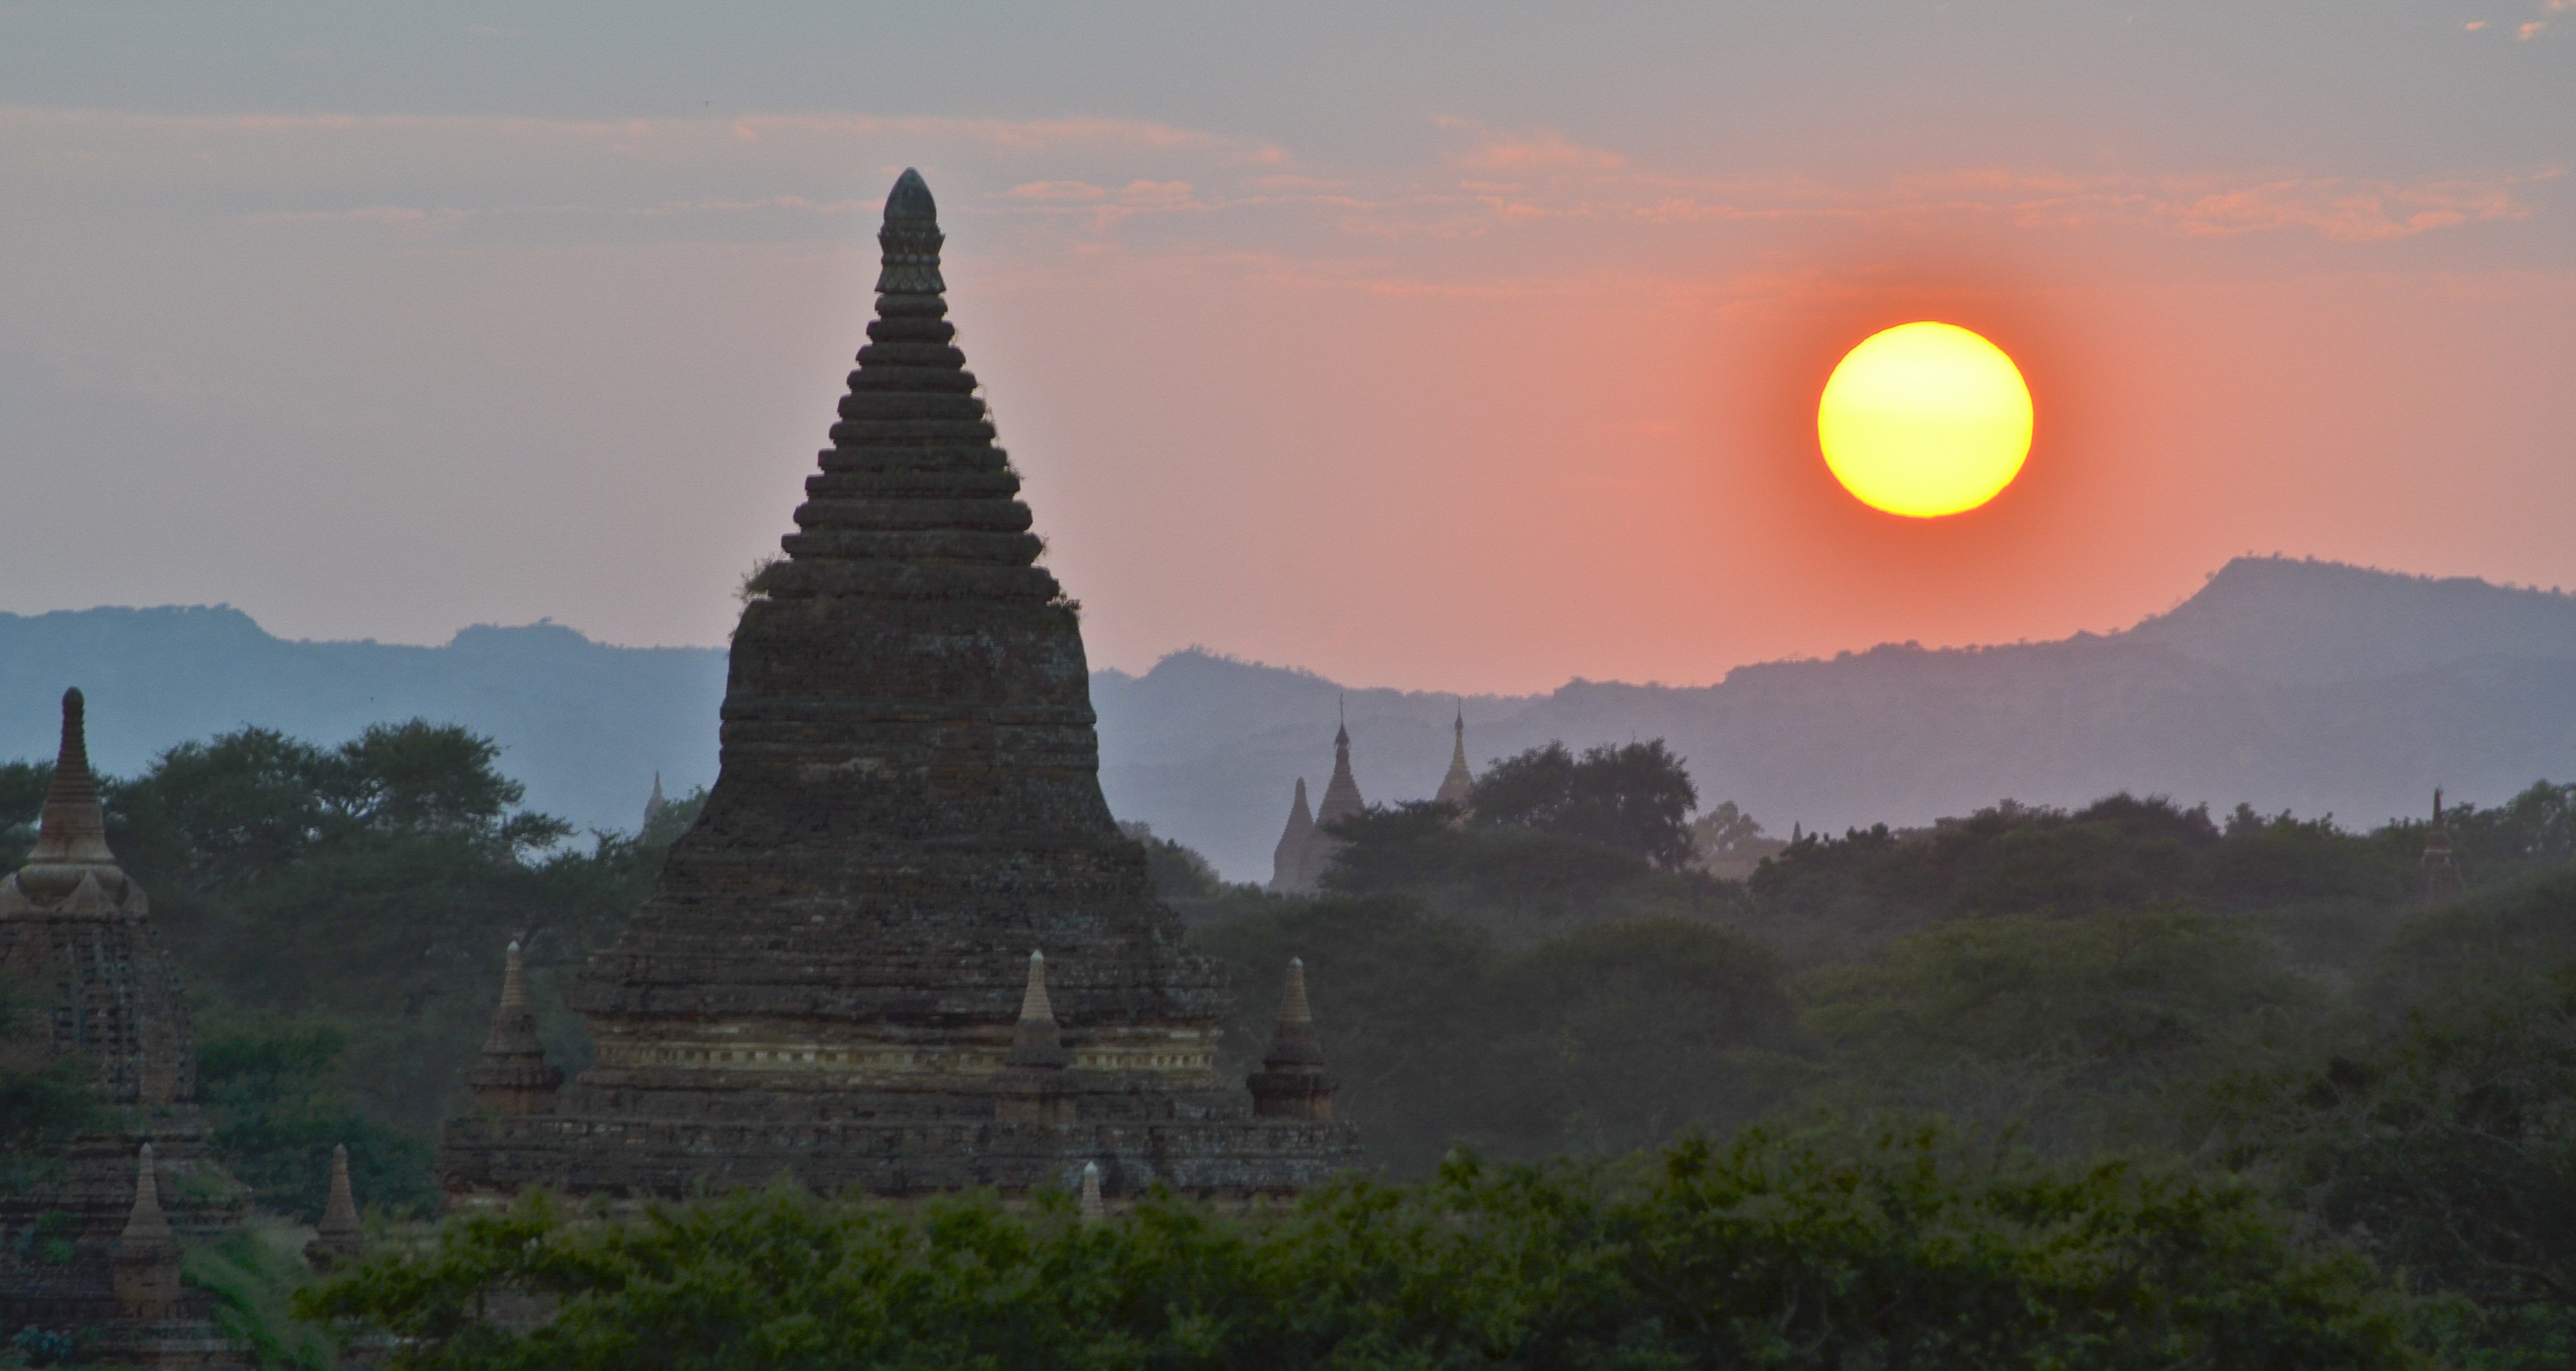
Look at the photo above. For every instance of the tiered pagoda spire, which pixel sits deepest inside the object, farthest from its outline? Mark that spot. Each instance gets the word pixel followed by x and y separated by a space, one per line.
pixel 830 971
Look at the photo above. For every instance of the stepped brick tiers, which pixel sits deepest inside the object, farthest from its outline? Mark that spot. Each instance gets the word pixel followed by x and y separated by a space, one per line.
pixel 2437 872
pixel 833 978
pixel 87 981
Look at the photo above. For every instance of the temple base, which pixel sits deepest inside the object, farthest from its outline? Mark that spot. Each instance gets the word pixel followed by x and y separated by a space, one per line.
pixel 484 1160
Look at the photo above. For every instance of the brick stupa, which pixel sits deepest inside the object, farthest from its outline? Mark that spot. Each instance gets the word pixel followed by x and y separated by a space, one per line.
pixel 830 980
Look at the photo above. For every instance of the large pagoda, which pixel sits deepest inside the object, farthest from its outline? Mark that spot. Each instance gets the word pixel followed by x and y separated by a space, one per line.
pixel 834 977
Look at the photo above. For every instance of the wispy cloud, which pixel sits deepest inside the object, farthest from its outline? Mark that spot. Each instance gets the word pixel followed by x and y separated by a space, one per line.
pixel 1091 177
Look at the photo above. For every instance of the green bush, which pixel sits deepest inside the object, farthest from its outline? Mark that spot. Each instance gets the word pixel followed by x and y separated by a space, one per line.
pixel 1774 1250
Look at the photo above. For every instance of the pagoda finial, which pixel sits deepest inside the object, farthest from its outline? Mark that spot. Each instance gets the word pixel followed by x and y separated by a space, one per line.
pixel 73 827
pixel 911 240
pixel 514 982
pixel 1094 1209
pixel 1293 1008
pixel 70 871
pixel 1036 1040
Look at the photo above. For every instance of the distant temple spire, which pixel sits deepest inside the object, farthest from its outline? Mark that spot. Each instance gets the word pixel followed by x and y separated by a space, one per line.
pixel 655 806
pixel 1291 1083
pixel 513 1077
pixel 341 1234
pixel 1288 860
pixel 1458 788
pixel 147 1252
pixel 2437 872
pixel 1341 794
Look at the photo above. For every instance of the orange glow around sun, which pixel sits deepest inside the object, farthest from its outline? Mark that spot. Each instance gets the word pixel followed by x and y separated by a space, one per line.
pixel 1924 420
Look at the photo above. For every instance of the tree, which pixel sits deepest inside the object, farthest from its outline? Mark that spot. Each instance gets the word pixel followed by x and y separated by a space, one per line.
pixel 1637 798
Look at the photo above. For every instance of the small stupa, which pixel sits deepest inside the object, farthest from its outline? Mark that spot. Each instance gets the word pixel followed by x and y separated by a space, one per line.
pixel 341 1235
pixel 832 978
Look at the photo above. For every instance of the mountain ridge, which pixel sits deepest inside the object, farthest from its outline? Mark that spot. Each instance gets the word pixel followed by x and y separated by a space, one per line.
pixel 2289 684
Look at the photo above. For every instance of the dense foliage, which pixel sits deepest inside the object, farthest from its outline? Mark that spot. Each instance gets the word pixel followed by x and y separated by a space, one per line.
pixel 340 915
pixel 2295 1057
pixel 1636 798
pixel 1601 1040
pixel 1772 1250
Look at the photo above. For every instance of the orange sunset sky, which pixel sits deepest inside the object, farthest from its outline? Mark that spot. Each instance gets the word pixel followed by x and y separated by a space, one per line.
pixel 1463 347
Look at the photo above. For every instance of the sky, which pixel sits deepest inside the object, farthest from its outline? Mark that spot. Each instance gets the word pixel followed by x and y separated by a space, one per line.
pixel 1446 346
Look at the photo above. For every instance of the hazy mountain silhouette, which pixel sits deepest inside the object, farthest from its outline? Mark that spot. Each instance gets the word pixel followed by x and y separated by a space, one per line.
pixel 582 724
pixel 2302 685
pixel 2286 684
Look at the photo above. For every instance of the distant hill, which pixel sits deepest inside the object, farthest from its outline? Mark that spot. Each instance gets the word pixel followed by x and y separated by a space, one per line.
pixel 2301 685
pixel 582 724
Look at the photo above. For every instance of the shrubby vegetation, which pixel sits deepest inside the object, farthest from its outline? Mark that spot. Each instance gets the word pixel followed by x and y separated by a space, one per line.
pixel 1774 1249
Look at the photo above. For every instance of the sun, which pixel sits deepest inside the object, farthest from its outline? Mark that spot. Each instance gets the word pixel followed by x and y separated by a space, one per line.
pixel 1925 420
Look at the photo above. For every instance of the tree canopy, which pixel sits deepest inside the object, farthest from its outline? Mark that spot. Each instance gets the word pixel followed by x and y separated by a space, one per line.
pixel 1774 1249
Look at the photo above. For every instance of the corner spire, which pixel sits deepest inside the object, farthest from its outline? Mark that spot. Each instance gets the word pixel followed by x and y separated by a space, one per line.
pixel 513 1077
pixel 1291 1083
pixel 146 1258
pixel 146 1223
pixel 1036 1040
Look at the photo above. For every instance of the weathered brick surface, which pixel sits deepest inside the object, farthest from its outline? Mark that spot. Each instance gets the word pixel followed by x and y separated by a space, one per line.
pixel 827 978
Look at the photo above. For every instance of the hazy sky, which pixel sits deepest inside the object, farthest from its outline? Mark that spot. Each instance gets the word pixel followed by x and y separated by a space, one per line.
pixel 1454 346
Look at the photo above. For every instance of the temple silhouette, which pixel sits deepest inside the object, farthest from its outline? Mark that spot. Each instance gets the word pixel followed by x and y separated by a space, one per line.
pixel 903 948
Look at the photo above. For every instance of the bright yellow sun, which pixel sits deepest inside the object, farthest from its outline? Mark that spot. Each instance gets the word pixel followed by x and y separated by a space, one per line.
pixel 1925 420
